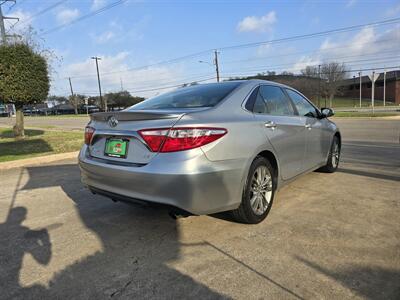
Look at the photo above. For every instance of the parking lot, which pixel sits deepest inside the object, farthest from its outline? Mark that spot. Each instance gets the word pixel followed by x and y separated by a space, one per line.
pixel 327 236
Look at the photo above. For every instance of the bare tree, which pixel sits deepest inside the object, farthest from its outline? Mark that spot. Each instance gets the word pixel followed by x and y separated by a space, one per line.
pixel 310 71
pixel 76 101
pixel 332 74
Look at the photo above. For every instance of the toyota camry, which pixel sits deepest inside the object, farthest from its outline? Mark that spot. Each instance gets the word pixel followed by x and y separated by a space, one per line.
pixel 209 148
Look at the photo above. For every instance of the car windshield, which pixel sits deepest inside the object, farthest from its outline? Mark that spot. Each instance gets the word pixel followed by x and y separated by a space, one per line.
pixel 203 95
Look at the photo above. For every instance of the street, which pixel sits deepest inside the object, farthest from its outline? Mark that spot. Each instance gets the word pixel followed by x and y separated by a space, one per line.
pixel 327 236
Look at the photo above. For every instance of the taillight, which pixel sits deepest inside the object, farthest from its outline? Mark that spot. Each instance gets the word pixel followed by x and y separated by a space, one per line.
pixel 179 139
pixel 89 131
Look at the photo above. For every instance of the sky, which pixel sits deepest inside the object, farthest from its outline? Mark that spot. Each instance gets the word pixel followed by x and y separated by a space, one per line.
pixel 133 37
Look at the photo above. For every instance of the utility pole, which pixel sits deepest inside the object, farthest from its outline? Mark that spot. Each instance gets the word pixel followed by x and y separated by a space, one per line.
pixel 98 79
pixel 319 86
pixel 384 88
pixel 70 86
pixel 3 34
pixel 354 87
pixel 373 78
pixel 2 28
pixel 74 102
pixel 359 75
pixel 216 64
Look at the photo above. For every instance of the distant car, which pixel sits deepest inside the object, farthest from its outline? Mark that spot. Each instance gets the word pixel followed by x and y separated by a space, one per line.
pixel 210 148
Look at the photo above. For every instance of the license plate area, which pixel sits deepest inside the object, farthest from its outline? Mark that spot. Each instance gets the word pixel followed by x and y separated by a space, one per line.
pixel 116 147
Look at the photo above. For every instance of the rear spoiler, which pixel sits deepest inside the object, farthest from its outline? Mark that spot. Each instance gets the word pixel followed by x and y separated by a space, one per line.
pixel 132 115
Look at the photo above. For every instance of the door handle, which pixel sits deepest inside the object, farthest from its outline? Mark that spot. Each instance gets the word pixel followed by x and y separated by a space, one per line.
pixel 270 124
pixel 308 126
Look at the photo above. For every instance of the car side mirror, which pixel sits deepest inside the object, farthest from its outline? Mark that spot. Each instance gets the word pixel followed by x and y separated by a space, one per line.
pixel 327 112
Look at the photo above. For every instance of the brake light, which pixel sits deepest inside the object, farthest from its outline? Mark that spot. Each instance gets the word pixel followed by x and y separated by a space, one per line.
pixel 89 131
pixel 179 139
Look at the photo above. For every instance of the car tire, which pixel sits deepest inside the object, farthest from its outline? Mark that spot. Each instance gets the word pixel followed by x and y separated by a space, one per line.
pixel 255 206
pixel 333 157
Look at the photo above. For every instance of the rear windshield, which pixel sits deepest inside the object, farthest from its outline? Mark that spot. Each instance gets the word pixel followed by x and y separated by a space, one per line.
pixel 202 95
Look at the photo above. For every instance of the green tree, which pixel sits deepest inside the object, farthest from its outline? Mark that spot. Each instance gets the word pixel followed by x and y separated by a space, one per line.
pixel 121 99
pixel 24 78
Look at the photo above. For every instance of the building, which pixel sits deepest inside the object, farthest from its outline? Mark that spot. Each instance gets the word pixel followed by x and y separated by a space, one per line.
pixel 350 88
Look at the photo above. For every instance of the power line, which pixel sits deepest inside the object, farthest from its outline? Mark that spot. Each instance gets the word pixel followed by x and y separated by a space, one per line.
pixel 147 66
pixel 248 74
pixel 346 62
pixel 232 77
pixel 187 80
pixel 159 88
pixel 315 34
pixel 296 37
pixel 314 51
pixel 169 87
pixel 84 17
pixel 45 10
pixel 3 35
pixel 15 4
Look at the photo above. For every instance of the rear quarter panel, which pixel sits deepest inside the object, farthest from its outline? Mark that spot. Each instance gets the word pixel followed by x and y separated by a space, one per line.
pixel 245 137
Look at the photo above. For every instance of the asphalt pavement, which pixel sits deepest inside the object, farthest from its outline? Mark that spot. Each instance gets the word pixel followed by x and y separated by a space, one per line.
pixel 329 236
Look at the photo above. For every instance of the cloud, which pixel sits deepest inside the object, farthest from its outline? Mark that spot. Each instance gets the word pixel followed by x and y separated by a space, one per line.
pixel 104 37
pixel 351 3
pixel 97 4
pixel 118 33
pixel 67 15
pixel 113 68
pixel 367 45
pixel 394 11
pixel 257 24
pixel 303 62
pixel 263 50
pixel 366 42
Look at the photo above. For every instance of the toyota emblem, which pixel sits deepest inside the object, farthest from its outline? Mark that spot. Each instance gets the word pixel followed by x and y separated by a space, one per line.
pixel 112 121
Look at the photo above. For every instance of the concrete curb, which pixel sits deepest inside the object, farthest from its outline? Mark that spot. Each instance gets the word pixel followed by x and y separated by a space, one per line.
pixel 37 160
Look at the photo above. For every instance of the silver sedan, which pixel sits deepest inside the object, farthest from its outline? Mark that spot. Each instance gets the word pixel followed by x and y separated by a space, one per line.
pixel 209 148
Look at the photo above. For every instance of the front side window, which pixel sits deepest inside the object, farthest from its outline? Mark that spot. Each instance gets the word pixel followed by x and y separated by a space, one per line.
pixel 202 95
pixel 271 100
pixel 302 105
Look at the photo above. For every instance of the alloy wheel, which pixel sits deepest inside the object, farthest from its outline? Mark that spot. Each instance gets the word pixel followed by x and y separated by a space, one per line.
pixel 261 190
pixel 335 154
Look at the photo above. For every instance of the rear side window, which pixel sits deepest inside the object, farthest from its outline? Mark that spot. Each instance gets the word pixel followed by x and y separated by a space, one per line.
pixel 202 95
pixel 260 106
pixel 273 101
pixel 302 105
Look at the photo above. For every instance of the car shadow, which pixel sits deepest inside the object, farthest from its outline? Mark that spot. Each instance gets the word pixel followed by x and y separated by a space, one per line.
pixel 138 244
pixel 16 240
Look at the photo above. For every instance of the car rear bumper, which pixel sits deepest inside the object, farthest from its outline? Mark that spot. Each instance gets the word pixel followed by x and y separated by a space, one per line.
pixel 187 180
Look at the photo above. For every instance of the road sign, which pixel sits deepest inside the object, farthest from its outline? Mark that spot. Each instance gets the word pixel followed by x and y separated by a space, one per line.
pixel 372 77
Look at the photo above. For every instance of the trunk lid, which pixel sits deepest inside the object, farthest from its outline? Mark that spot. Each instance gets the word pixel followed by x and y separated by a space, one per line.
pixel 125 125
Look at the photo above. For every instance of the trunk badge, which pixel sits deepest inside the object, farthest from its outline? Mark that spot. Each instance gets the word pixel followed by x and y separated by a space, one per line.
pixel 112 121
